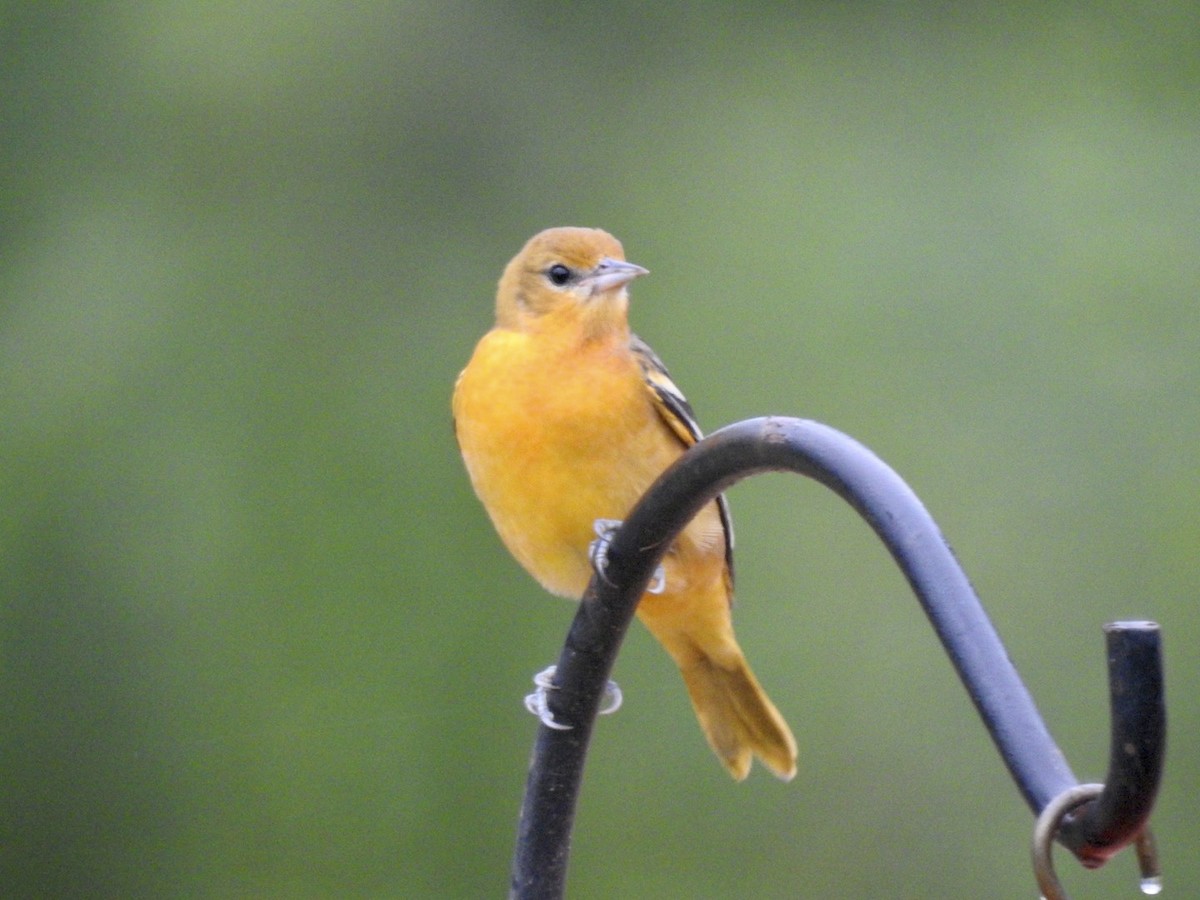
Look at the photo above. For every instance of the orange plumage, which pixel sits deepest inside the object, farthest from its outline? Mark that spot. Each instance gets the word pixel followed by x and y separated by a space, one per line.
pixel 564 417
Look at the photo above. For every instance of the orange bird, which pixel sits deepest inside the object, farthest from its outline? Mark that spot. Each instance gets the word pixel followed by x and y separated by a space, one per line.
pixel 564 418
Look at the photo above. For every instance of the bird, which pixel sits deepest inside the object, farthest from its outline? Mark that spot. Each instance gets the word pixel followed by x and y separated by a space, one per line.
pixel 564 417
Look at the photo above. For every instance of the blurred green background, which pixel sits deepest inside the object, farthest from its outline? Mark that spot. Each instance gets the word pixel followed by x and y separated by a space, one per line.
pixel 258 638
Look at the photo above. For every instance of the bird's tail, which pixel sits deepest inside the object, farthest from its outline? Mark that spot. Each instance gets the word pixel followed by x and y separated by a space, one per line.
pixel 735 713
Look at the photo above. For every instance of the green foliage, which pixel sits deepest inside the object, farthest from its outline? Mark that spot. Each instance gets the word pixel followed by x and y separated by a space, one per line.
pixel 256 635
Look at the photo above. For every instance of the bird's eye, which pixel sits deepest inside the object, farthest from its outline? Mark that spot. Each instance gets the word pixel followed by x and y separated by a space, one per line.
pixel 558 274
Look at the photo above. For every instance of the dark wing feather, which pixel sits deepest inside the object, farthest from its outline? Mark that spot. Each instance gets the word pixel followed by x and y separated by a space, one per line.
pixel 675 410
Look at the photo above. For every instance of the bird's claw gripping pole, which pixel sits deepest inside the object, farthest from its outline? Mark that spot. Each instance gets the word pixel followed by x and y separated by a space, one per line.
pixel 1093 828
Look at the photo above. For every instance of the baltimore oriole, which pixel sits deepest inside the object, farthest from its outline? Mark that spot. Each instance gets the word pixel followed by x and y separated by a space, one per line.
pixel 564 417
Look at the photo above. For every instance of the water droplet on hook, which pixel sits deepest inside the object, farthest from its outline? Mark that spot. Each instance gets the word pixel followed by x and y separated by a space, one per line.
pixel 1151 885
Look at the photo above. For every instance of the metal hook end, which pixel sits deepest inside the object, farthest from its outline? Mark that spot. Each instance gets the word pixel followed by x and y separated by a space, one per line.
pixel 1147 856
pixel 1046 828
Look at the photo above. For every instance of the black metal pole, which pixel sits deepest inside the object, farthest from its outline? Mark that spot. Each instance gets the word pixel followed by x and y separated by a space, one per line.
pixel 910 534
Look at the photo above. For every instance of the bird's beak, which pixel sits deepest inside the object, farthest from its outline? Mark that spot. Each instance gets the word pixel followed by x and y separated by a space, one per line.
pixel 613 273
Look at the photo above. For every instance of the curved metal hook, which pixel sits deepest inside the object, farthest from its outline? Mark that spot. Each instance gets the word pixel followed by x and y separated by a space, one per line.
pixel 1045 830
pixel 881 497
pixel 1137 751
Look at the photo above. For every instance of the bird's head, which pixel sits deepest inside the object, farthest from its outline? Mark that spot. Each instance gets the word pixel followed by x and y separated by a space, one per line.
pixel 567 271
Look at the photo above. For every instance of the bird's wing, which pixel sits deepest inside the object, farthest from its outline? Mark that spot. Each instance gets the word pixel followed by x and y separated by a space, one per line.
pixel 675 410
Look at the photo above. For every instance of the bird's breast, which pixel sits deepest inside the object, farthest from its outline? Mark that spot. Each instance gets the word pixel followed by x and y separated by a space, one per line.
pixel 555 438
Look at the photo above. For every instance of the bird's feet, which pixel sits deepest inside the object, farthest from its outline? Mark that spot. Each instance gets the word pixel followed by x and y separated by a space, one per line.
pixel 598 554
pixel 537 702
